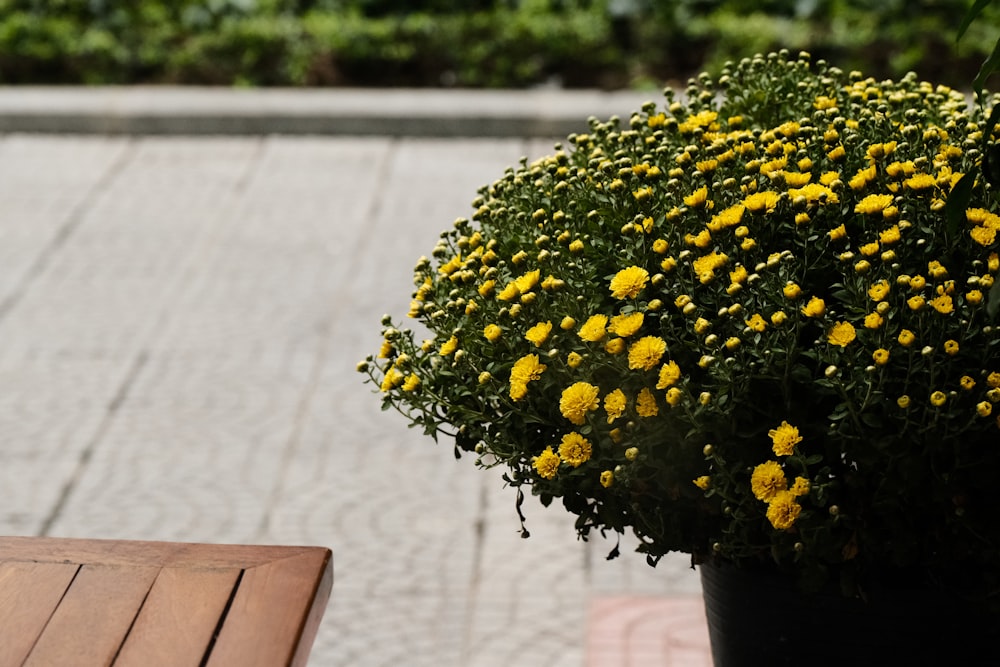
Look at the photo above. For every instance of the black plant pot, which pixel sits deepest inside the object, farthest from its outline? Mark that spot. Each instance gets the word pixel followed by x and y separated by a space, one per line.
pixel 759 618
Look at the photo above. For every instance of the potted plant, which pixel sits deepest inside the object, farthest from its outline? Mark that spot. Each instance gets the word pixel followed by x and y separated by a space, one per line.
pixel 746 325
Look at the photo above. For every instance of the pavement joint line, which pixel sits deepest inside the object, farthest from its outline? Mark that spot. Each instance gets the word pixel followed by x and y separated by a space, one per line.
pixel 194 111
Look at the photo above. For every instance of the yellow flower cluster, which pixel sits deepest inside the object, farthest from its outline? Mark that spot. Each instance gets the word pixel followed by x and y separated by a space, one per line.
pixel 709 271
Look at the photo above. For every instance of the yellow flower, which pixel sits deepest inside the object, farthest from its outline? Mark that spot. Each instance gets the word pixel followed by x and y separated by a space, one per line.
pixel 869 249
pixel 873 321
pixel 984 408
pixel 509 293
pixel 967 383
pixel 915 302
pixel 784 438
pixel 660 246
pixel 783 511
pixel 492 332
pixel 951 347
pixel 393 378
pixel 486 288
pixel 702 482
pixel 873 204
pixel 576 246
pixel 792 291
pixel 800 487
pixel 730 217
pixel 449 346
pixel 412 383
pixel 670 373
pixel 942 304
pixel 815 308
pixel 993 379
pixel 615 346
pixel 975 297
pixel 756 323
pixel 528 281
pixel 546 464
pixel 574 449
pixel 767 480
pixel 879 290
pixel 761 202
pixel 645 403
pixel 573 360
pixel 920 182
pixel 880 356
pixel 626 325
pixel 890 236
pixel 646 353
pixel 539 333
pixel 627 283
pixel 614 405
pixel 594 329
pixel 938 398
pixel 739 274
pixel 778 317
pixel 386 350
pixel 567 323
pixel 607 478
pixel 706 265
pixel 697 198
pixel 525 369
pixel 841 333
pixel 674 396
pixel 577 400
pixel 903 401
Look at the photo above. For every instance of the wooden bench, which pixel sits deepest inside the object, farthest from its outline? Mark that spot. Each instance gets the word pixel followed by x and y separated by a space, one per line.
pixel 84 603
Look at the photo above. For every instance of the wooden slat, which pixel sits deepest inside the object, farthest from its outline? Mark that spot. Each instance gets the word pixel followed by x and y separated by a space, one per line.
pixel 273 617
pixel 177 621
pixel 94 616
pixel 29 594
pixel 162 554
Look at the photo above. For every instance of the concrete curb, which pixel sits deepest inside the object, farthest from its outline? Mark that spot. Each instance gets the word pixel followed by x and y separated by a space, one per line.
pixel 145 110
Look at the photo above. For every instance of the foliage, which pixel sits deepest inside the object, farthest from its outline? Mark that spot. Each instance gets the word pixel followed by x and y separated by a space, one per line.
pixel 741 326
pixel 482 43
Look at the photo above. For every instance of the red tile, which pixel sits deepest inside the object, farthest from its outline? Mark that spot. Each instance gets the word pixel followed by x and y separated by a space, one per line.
pixel 635 631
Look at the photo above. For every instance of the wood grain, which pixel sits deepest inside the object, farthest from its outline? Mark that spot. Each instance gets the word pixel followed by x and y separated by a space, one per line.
pixel 176 624
pixel 94 616
pixel 29 594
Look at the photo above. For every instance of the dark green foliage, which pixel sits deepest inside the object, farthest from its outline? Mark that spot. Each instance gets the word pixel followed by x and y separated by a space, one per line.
pixel 472 42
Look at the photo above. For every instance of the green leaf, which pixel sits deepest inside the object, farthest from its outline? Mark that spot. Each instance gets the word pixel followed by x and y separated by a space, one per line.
pixel 958 202
pixel 990 65
pixel 977 8
pixel 993 300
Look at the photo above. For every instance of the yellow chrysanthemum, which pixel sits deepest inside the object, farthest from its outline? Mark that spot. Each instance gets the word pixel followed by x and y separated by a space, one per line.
pixel 528 281
pixel 573 360
pixel 814 308
pixel 412 382
pixel 546 464
pixel 646 353
pixel 525 369
pixel 614 405
pixel 539 333
pixel 841 334
pixel 626 325
pixel 706 265
pixel 879 290
pixel 449 346
pixel 942 304
pixel 670 373
pixel 784 438
pixel 756 323
pixel 645 403
pixel 800 487
pixel 628 282
pixel 594 329
pixel 697 198
pixel 577 400
pixel 730 217
pixel 872 204
pixel 767 480
pixel 574 449
pixel 392 379
pixel 760 202
pixel 607 478
pixel 880 356
pixel 702 482
pixel 919 182
pixel 783 510
pixel 938 398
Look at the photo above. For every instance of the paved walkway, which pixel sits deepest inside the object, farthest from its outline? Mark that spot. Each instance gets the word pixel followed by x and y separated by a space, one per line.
pixel 180 318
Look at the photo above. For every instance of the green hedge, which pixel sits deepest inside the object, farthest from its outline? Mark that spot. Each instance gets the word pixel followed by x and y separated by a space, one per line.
pixel 494 43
